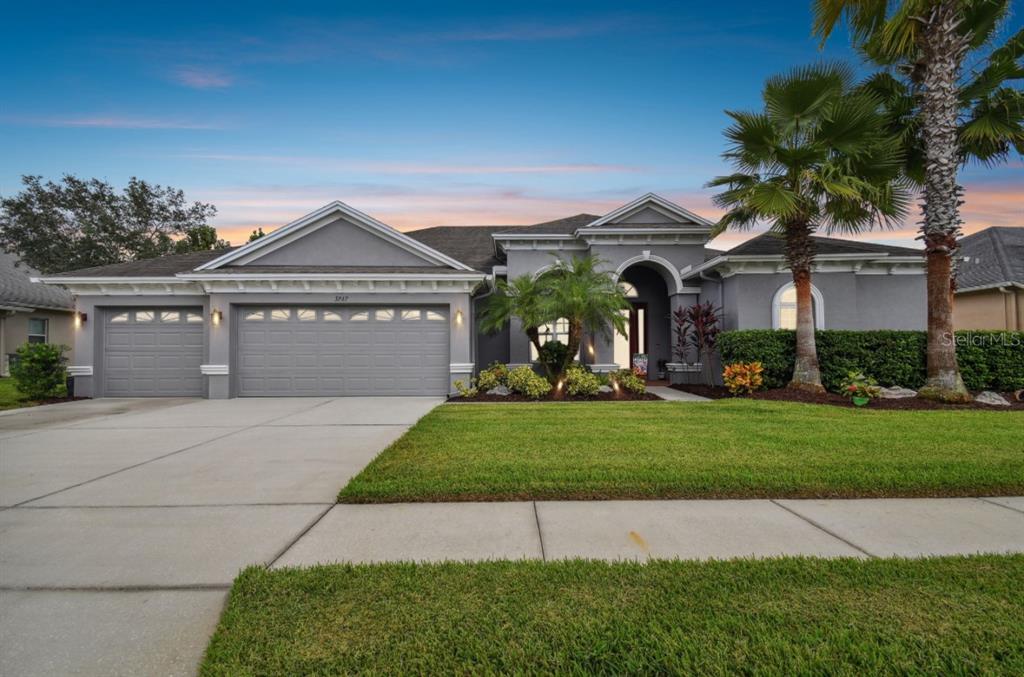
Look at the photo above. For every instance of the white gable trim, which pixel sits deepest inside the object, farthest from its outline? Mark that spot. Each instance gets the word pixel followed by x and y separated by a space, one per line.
pixel 659 203
pixel 663 263
pixel 319 218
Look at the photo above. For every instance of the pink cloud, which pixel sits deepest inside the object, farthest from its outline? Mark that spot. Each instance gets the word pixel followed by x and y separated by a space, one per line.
pixel 201 78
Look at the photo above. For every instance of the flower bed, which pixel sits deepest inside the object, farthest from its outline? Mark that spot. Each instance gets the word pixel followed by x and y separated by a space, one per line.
pixel 788 395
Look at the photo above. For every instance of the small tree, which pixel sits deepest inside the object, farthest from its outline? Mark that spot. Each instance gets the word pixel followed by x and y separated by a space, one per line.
pixel 704 327
pixel 256 234
pixel 681 346
pixel 39 370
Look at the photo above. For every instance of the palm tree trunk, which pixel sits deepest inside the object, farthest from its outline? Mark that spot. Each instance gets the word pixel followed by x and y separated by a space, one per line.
pixel 800 255
pixel 575 340
pixel 944 50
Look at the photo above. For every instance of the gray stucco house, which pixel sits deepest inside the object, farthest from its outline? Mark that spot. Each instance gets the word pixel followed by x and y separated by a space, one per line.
pixel 338 303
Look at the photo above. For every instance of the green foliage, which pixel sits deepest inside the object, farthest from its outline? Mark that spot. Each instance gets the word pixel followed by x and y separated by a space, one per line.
pixel 492 377
pixel 989 360
pixel 200 239
pixel 525 381
pixel 76 223
pixel 256 234
pixel 39 370
pixel 466 390
pixel 580 382
pixel 577 291
pixel 858 384
pixel 552 356
pixel 628 380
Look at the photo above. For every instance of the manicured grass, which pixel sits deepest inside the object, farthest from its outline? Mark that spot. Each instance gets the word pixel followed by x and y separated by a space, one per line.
pixel 785 616
pixel 10 397
pixel 727 448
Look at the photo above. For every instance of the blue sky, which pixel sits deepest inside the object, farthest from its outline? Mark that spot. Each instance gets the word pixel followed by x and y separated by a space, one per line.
pixel 417 113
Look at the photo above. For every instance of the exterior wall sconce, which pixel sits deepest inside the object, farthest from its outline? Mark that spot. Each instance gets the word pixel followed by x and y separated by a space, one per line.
pixel 215 317
pixel 80 319
pixel 458 317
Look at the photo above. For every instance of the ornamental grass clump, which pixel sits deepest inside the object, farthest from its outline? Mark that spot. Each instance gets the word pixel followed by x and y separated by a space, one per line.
pixel 743 378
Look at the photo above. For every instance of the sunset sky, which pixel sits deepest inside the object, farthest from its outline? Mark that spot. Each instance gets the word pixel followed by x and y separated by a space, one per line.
pixel 419 114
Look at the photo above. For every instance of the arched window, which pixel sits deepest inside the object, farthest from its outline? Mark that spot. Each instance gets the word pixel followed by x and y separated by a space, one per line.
pixel 784 307
pixel 629 290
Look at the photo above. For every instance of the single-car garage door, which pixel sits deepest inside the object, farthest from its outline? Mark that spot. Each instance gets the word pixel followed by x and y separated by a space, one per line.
pixel 153 352
pixel 337 351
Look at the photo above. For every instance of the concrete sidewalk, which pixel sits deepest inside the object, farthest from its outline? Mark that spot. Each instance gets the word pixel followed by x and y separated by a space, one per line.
pixel 639 530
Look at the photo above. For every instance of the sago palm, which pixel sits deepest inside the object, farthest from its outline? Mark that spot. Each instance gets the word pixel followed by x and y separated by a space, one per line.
pixel 948 111
pixel 817 157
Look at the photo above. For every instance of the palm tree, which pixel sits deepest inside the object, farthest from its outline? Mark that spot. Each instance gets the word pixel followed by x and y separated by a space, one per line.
pixel 586 297
pixel 520 298
pixel 817 156
pixel 948 114
pixel 577 291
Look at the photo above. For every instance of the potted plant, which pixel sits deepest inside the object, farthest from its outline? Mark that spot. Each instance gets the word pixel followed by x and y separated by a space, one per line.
pixel 860 388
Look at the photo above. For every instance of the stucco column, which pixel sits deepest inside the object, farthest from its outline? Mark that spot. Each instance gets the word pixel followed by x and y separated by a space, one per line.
pixel 518 344
pixel 218 367
pixel 461 341
pixel 86 337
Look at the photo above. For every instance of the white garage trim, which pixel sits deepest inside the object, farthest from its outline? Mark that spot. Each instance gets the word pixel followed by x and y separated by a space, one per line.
pixel 214 369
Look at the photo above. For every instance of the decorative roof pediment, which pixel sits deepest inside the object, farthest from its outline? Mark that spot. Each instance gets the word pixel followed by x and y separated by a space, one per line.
pixel 649 211
pixel 335 231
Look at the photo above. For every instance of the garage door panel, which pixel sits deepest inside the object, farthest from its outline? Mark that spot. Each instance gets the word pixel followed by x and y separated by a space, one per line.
pixel 152 352
pixel 342 351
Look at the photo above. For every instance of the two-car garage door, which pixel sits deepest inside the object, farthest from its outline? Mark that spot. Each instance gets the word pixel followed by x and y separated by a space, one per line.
pixel 335 351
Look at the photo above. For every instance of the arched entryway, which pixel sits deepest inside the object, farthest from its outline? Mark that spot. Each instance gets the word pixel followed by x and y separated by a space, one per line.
pixel 651 284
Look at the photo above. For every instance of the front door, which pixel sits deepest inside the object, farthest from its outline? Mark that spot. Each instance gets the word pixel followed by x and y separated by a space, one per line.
pixel 635 340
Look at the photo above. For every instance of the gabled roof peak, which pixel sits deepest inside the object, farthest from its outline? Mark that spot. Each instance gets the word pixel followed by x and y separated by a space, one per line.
pixel 667 207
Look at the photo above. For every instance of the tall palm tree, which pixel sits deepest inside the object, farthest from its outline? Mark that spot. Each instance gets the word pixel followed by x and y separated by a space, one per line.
pixel 948 112
pixel 817 156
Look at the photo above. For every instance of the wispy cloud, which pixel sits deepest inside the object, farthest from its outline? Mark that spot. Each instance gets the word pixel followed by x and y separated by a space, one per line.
pixel 198 77
pixel 107 122
pixel 411 168
pixel 241 209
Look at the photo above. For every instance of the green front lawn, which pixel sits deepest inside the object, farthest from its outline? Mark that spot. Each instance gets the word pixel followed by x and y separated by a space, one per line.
pixel 784 616
pixel 727 448
pixel 10 397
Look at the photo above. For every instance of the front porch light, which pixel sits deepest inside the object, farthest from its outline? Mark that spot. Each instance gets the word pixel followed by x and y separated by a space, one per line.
pixel 80 319
pixel 215 317
pixel 458 317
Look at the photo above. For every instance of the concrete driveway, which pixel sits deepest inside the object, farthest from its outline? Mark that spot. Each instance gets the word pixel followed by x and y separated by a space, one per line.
pixel 123 522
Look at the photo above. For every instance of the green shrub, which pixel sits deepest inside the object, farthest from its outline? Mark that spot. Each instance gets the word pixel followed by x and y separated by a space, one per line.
pixel 39 370
pixel 493 376
pixel 629 380
pixel 989 360
pixel 525 381
pixel 464 390
pixel 580 382
pixel 552 356
pixel 743 378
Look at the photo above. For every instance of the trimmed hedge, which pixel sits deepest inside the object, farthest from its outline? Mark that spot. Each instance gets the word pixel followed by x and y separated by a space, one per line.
pixel 989 360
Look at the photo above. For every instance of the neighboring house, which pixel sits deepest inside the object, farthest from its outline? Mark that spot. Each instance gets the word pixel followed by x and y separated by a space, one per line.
pixel 990 280
pixel 338 303
pixel 30 312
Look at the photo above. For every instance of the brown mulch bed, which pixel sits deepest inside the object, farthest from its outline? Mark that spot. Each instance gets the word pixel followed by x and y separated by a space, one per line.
pixel 600 397
pixel 789 395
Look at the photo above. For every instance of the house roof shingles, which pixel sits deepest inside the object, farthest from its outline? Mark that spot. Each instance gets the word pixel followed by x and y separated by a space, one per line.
pixel 162 266
pixel 18 291
pixel 768 244
pixel 992 257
